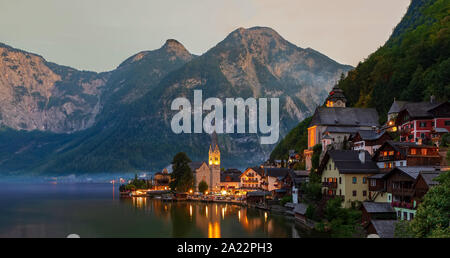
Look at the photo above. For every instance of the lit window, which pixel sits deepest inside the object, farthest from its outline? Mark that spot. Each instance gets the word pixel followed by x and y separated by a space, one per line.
pixel 364 180
pixel 413 151
pixel 391 153
pixel 424 151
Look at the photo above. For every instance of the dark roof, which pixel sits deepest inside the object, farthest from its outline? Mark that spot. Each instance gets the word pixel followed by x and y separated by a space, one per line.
pixel 276 172
pixel 420 109
pixel 396 106
pixel 378 207
pixel 384 228
pixel 370 135
pixel 300 208
pixel 258 193
pixel 301 173
pixel 230 175
pixel 336 94
pixel 401 147
pixel 258 170
pixel 339 116
pixel 341 129
pixel 195 165
pixel 429 177
pixel 412 172
pixel 348 162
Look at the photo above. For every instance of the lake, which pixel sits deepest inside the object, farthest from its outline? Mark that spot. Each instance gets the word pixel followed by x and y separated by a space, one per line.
pixel 95 210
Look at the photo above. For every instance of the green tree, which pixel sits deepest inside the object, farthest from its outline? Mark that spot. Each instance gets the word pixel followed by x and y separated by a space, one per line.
pixel 315 159
pixel 202 186
pixel 182 176
pixel 433 214
pixel 312 190
pixel 403 229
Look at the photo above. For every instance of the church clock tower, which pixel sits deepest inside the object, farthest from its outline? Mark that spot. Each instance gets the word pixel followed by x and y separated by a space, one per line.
pixel 214 163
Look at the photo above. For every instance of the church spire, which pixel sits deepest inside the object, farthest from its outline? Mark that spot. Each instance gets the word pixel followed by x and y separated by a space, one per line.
pixel 214 151
pixel 336 98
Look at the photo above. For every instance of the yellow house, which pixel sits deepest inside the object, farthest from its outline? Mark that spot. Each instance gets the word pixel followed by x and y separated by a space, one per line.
pixel 345 174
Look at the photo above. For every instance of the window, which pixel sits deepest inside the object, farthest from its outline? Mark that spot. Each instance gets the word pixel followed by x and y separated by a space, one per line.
pixel 405 215
pixel 340 180
pixel 364 193
pixel 423 124
pixel 329 167
pixel 389 165
pixel 340 191
pixel 422 135
pixel 373 182
pixel 391 153
pixel 432 124
pixel 411 216
pixel 354 193
pixel 364 180
pixel 413 151
pixel 447 123
pixel 354 180
pixel 424 151
pixel 399 214
pixel 385 153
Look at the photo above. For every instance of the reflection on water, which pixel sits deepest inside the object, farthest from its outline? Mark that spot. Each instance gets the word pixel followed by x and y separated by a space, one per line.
pixel 92 210
pixel 211 218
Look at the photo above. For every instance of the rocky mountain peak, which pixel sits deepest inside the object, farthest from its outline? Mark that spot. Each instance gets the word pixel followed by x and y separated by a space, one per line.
pixel 174 47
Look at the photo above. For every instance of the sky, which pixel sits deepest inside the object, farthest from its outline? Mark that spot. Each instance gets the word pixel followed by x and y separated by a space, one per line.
pixel 97 35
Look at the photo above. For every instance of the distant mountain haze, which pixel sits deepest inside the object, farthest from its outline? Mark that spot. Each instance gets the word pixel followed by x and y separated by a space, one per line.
pixel 120 120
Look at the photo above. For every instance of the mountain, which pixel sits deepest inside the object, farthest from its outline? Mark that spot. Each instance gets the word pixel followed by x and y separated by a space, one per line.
pixel 413 64
pixel 132 131
pixel 39 95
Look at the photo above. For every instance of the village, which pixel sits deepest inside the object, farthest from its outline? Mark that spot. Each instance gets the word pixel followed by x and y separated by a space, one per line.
pixel 381 172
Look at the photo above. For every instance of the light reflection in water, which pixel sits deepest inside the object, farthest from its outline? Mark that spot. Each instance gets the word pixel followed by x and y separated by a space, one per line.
pixel 251 221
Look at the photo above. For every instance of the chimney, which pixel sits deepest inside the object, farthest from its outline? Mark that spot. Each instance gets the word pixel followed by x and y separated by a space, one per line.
pixel 432 99
pixel 362 156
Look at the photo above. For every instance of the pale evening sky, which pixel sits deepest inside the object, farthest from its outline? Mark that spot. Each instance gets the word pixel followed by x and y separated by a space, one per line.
pixel 98 35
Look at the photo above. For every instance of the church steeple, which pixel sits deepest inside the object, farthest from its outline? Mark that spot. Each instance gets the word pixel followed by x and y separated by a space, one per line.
pixel 336 98
pixel 214 151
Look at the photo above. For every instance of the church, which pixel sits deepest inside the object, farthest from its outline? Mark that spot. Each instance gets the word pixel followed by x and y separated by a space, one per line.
pixel 208 171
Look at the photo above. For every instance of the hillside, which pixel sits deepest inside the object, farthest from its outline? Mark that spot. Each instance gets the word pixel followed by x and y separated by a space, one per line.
pixel 413 65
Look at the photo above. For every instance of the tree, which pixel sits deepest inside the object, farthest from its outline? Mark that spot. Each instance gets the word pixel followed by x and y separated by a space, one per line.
pixel 182 176
pixel 433 214
pixel 315 159
pixel 202 186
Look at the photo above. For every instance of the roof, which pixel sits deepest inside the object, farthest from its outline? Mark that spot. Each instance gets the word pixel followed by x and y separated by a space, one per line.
pixel 195 165
pixel 276 172
pixel 341 129
pixel 370 135
pixel 340 116
pixel 230 175
pixel 412 172
pixel 336 94
pixel 378 207
pixel 384 228
pixel 300 208
pixel 396 106
pixel 429 177
pixel 348 162
pixel 401 146
pixel 420 109
pixel 258 170
pixel 258 193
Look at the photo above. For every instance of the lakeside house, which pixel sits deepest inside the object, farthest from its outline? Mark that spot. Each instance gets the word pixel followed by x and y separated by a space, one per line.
pixel 401 154
pixel 292 183
pixel 230 180
pixel 252 178
pixel 369 140
pixel 273 176
pixel 399 186
pixel 333 124
pixel 161 180
pixel 422 122
pixel 345 174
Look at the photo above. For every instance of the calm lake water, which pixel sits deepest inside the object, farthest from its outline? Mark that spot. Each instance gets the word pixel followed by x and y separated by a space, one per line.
pixel 95 210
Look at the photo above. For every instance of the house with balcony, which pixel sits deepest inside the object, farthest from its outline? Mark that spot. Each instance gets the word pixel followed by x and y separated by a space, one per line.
pixel 161 180
pixel 423 122
pixel 272 178
pixel 345 174
pixel 369 140
pixel 293 182
pixel 252 179
pixel 401 154
pixel 334 123
pixel 424 182
pixel 400 189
